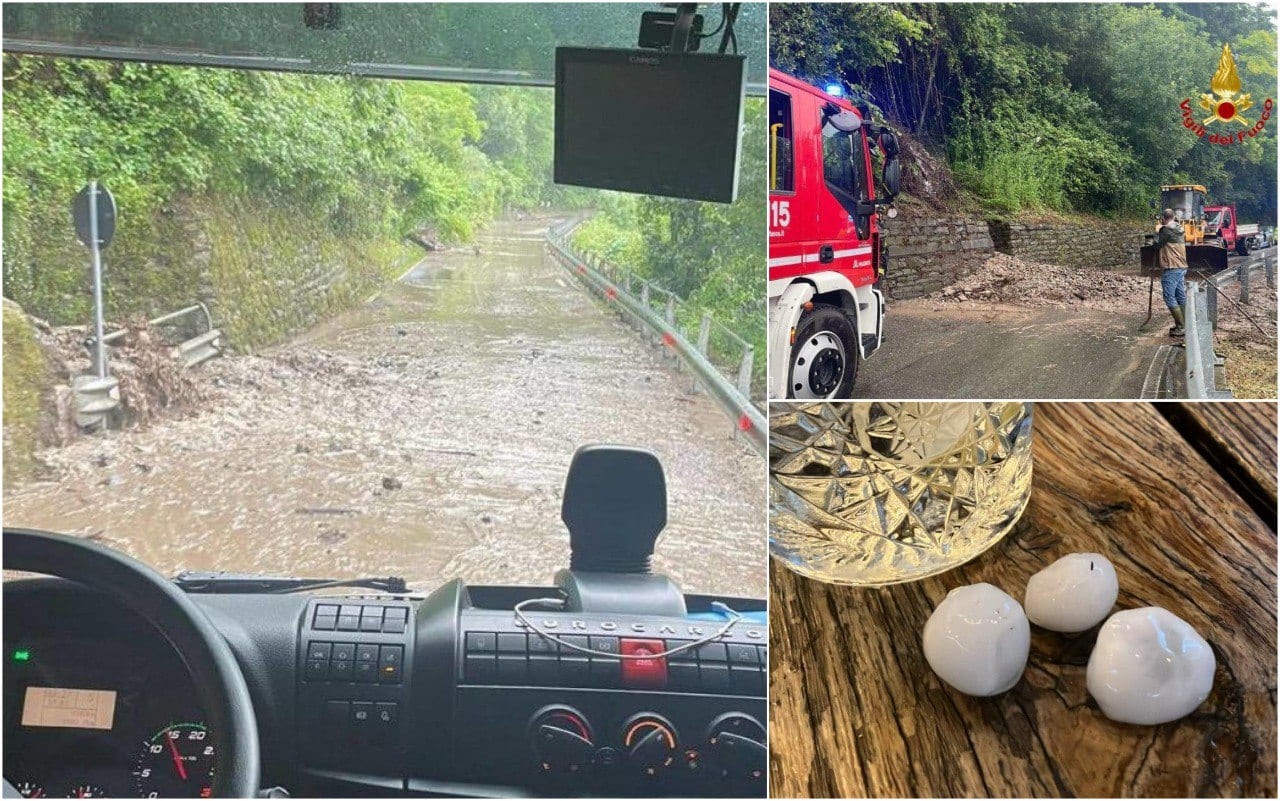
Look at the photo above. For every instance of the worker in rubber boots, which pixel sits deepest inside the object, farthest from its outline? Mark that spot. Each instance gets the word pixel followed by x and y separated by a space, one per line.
pixel 1172 258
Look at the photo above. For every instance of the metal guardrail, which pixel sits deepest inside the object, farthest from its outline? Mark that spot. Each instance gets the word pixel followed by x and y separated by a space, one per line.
pixel 1242 275
pixel 95 399
pixel 636 297
pixel 193 351
pixel 1204 368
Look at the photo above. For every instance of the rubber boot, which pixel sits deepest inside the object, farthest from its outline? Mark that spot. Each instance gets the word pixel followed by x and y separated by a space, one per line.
pixel 1179 318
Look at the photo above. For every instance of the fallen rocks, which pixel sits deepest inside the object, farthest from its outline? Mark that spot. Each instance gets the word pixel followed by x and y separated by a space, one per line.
pixel 1008 279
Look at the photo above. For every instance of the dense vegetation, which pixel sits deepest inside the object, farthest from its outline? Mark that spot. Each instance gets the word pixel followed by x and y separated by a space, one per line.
pixel 343 167
pixel 1066 107
pixel 367 160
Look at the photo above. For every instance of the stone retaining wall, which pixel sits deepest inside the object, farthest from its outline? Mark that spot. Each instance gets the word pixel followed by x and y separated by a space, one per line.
pixel 1099 244
pixel 929 253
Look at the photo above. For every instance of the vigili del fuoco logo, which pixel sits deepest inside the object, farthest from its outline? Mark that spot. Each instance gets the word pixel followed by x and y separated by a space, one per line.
pixel 1226 105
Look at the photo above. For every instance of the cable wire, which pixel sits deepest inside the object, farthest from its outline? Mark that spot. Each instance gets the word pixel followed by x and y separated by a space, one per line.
pixel 724 631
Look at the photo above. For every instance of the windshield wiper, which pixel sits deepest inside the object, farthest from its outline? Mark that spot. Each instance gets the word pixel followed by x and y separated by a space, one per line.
pixel 222 582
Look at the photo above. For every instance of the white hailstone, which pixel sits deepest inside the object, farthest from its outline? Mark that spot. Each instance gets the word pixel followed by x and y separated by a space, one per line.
pixel 977 640
pixel 1149 666
pixel 1073 594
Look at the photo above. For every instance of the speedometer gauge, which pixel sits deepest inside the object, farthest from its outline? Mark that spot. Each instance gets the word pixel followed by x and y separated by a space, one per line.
pixel 176 762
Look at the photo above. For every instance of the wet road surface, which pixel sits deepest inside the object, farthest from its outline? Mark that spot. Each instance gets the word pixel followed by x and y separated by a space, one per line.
pixel 988 350
pixel 425 434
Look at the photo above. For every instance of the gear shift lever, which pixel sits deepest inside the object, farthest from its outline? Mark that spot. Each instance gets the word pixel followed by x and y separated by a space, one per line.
pixel 615 506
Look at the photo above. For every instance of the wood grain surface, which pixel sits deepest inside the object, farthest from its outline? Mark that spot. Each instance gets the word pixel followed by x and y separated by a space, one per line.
pixel 1238 439
pixel 855 710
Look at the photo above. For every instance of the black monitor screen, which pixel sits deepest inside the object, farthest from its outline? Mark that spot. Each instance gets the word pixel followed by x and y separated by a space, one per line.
pixel 649 122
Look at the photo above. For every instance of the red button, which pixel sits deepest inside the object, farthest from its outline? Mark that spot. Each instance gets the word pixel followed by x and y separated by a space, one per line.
pixel 649 674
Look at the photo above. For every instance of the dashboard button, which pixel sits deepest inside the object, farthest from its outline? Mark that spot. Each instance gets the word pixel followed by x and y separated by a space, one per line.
pixel 326 610
pixel 349 609
pixel 325 623
pixel 606 672
pixel 712 652
pixel 390 663
pixel 391 655
pixel 365 672
pixel 371 618
pixel 541 645
pixel 579 640
pixel 687 655
pixel 318 650
pixel 393 626
pixel 683 676
pixel 574 671
pixel 386 713
pixel 361 713
pixel 397 613
pixel 348 622
pixel 511 644
pixel 366 652
pixel 481 641
pixel 543 670
pixel 317 669
pixel 608 645
pixel 340 671
pixel 480 668
pixel 648 674
pixel 746 678
pixel 511 669
pixel 743 654
pixel 713 677
pixel 344 651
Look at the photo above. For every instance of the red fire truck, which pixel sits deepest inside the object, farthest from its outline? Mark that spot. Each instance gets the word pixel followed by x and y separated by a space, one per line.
pixel 825 255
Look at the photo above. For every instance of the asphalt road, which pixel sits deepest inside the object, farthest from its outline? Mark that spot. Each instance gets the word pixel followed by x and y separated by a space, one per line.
pixel 425 434
pixel 980 350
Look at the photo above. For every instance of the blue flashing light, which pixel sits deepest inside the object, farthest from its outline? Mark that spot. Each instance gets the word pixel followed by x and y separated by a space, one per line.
pixel 835 90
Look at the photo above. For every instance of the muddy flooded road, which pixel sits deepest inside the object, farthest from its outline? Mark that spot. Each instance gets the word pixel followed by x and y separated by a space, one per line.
pixel 425 434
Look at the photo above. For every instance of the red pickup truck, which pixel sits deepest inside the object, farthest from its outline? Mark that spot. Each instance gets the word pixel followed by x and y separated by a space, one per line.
pixel 1222 224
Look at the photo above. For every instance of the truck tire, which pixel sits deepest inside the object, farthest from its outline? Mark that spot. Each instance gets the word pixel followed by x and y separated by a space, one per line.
pixel 824 359
pixel 1242 246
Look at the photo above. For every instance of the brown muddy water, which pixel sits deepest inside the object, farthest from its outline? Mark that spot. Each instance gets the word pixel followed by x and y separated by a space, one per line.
pixel 424 434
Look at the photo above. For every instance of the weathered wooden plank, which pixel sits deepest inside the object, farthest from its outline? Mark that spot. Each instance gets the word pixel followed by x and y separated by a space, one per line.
pixel 856 711
pixel 1239 440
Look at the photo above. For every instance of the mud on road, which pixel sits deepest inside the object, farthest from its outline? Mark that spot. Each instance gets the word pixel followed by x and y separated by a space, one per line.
pixel 425 434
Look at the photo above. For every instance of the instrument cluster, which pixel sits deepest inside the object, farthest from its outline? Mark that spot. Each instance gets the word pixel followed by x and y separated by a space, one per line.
pixel 87 717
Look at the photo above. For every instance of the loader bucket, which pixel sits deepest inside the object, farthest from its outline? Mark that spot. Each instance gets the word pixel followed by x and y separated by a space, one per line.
pixel 1149 259
pixel 1206 258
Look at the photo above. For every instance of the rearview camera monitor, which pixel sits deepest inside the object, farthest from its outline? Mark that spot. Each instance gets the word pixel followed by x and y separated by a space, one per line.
pixel 649 122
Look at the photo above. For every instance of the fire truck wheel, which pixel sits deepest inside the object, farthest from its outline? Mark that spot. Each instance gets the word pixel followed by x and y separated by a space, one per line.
pixel 824 359
pixel 1242 246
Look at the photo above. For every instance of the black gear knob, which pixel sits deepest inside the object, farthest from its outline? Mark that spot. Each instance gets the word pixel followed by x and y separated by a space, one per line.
pixel 615 505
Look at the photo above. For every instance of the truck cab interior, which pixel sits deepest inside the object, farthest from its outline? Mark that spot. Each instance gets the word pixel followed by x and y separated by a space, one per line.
pixel 607 680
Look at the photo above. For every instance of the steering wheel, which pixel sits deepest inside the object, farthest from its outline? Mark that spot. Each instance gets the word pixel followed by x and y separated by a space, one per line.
pixel 219 684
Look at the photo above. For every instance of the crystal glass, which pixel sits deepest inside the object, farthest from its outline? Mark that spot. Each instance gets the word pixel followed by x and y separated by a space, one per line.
pixel 881 493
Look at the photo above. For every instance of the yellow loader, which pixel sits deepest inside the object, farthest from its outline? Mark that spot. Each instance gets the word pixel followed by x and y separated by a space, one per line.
pixel 1204 253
